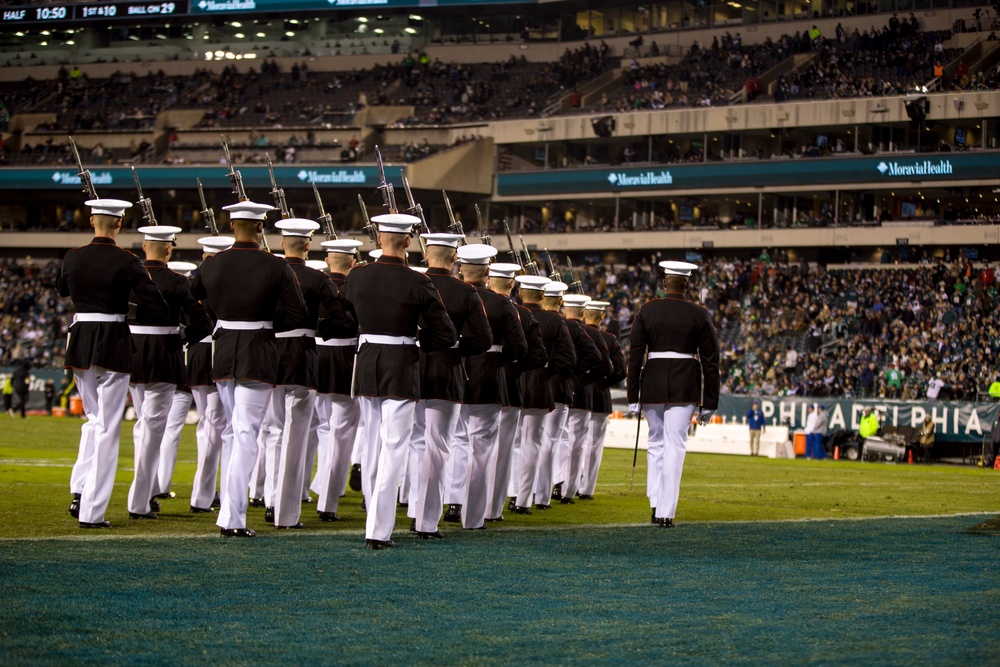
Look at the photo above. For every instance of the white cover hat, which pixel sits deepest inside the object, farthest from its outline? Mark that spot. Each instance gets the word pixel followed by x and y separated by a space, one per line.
pixel 214 244
pixel 419 269
pixel 248 210
pixel 504 270
pixel 297 227
pixel 113 207
pixel 316 264
pixel 532 282
pixel 161 233
pixel 345 246
pixel 479 253
pixel 442 239
pixel 678 268
pixel 597 305
pixel 183 268
pixel 375 254
pixel 395 223
pixel 555 288
pixel 575 300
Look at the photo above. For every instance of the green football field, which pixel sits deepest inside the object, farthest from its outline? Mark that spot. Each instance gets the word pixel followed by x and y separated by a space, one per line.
pixel 772 562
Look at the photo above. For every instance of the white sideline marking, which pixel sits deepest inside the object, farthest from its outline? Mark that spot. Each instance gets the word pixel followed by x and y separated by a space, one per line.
pixel 506 529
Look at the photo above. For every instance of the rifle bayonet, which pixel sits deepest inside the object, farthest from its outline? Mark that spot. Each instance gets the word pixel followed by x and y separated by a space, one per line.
pixel 85 180
pixel 144 203
pixel 235 177
pixel 277 193
pixel 207 212
pixel 484 232
pixel 454 226
pixel 325 219
pixel 388 193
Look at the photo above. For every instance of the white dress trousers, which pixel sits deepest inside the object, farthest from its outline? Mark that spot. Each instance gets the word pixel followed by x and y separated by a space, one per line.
pixel 171 441
pixel 103 393
pixel 249 401
pixel 532 434
pixel 668 429
pixel 578 426
pixel 410 488
pixel 598 429
pixel 560 464
pixel 548 457
pixel 208 434
pixel 345 415
pixel 389 422
pixel 515 455
pixel 297 407
pixel 498 476
pixel 311 452
pixel 320 430
pixel 456 472
pixel 274 422
pixel 152 407
pixel 440 421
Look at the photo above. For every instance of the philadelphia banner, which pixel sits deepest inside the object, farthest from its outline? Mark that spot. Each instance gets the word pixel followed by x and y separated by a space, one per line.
pixel 954 421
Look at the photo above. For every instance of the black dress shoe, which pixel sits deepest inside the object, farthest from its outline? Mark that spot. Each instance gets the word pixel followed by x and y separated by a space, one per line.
pixel 375 545
pixel 308 500
pixel 96 524
pixel 328 516
pixel 254 502
pixel 499 518
pixel 355 480
pixel 584 496
pixel 566 500
pixel 436 535
pixel 216 502
pixel 557 492
pixel 165 496
pixel 518 509
pixel 413 526
pixel 511 504
pixel 269 515
pixel 482 527
pixel 652 519
pixel 154 506
pixel 236 532
pixel 454 514
pixel 202 510
pixel 150 515
pixel 665 523
pixel 74 506
pixel 542 507
pixel 295 527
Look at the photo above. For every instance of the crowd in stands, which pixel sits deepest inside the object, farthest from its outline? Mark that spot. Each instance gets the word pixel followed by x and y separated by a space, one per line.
pixel 923 331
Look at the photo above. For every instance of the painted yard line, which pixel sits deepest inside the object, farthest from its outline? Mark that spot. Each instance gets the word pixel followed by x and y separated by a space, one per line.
pixel 506 529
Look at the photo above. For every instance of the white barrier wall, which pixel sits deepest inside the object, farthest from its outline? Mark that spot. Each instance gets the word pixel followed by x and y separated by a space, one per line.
pixel 707 439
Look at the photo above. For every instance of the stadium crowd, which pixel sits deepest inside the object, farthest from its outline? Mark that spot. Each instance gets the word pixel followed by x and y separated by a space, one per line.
pixel 785 327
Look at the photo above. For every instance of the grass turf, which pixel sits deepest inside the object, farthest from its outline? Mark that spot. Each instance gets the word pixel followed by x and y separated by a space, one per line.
pixel 36 457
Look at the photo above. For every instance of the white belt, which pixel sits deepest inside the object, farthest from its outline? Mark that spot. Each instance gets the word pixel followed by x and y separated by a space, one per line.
pixel 206 339
pixel 239 325
pixel 671 355
pixel 337 342
pixel 495 348
pixel 296 333
pixel 98 317
pixel 153 331
pixel 378 339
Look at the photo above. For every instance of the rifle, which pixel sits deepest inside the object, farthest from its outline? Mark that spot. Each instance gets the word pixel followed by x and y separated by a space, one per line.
pixel 388 194
pixel 552 265
pixel 85 180
pixel 484 232
pixel 277 193
pixel 144 203
pixel 235 178
pixel 369 227
pixel 530 266
pixel 577 285
pixel 325 219
pixel 417 210
pixel 515 257
pixel 206 212
pixel 454 226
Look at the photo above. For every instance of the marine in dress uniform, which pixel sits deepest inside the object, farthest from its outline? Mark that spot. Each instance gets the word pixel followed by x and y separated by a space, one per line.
pixel 177 415
pixel 555 439
pixel 502 476
pixel 319 422
pixel 252 293
pixel 211 414
pixel 485 390
pixel 677 335
pixel 442 383
pixel 293 399
pixel 576 444
pixel 158 363
pixel 602 407
pixel 336 344
pixel 537 395
pixel 389 302
pixel 99 278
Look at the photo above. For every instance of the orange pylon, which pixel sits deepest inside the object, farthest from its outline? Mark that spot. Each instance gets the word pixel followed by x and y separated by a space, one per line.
pixel 836 453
